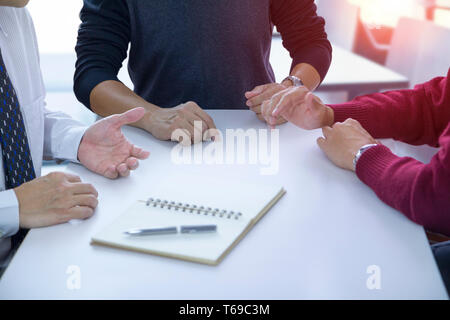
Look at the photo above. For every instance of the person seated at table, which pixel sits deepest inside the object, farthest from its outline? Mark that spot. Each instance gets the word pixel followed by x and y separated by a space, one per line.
pixel 417 116
pixel 206 52
pixel 29 132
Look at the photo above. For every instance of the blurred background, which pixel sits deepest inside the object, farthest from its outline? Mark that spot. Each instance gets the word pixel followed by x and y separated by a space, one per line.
pixel 377 45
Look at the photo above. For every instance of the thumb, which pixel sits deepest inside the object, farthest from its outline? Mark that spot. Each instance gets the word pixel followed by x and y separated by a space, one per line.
pixel 321 142
pixel 129 117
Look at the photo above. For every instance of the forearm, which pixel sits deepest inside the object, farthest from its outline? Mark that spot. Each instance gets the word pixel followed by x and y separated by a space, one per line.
pixel 113 97
pixel 415 116
pixel 308 74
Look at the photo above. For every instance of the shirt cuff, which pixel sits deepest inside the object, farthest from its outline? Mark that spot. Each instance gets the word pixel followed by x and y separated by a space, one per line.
pixel 73 138
pixel 9 214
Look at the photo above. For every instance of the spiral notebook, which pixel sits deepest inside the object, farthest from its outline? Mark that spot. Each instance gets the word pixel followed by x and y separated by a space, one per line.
pixel 227 207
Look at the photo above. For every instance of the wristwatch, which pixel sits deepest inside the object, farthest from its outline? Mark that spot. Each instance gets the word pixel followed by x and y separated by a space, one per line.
pixel 296 82
pixel 361 151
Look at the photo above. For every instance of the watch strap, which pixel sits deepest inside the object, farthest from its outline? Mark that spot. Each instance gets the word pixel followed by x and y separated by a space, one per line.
pixel 361 150
pixel 296 81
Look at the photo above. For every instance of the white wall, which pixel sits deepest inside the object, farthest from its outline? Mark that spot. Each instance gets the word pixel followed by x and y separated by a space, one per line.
pixel 56 23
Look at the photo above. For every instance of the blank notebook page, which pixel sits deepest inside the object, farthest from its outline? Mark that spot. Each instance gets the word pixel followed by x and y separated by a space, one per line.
pixel 200 247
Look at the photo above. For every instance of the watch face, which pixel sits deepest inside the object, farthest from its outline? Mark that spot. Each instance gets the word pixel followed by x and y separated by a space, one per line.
pixel 297 82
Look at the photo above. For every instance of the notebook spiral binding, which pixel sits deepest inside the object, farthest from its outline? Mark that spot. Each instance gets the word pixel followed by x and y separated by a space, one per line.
pixel 190 208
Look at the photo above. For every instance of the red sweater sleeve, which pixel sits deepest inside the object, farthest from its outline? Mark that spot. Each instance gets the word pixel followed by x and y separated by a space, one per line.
pixel 420 191
pixel 416 116
pixel 303 33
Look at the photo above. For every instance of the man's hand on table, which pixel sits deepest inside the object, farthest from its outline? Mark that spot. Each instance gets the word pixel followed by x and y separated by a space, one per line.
pixel 342 141
pixel 105 150
pixel 162 122
pixel 55 198
pixel 112 97
pixel 59 197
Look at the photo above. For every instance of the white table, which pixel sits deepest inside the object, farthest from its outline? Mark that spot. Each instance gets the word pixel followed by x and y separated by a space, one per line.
pixel 317 242
pixel 348 72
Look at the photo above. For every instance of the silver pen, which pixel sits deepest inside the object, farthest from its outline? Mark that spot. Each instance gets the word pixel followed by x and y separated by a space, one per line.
pixel 198 229
pixel 172 230
pixel 152 231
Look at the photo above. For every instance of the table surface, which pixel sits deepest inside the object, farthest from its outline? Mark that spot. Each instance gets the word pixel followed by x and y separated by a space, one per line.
pixel 317 242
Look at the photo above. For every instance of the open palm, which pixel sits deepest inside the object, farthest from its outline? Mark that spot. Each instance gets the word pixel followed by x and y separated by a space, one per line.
pixel 105 150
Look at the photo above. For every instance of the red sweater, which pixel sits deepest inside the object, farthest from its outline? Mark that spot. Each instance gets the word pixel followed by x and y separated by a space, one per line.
pixel 418 116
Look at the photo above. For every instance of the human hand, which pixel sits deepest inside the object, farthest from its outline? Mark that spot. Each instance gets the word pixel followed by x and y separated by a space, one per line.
pixel 105 150
pixel 55 198
pixel 259 94
pixel 162 122
pixel 299 106
pixel 342 142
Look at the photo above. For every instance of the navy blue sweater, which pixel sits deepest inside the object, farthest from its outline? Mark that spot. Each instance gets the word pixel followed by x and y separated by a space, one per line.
pixel 207 51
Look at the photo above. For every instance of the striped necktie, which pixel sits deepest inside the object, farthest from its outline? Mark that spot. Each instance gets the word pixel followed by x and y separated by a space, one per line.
pixel 17 162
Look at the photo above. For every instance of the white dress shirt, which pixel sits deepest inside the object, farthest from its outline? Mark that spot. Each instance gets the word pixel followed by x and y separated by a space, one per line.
pixel 51 135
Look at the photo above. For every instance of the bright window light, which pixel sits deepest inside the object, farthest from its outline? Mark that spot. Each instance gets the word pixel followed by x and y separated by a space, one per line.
pixel 388 12
pixel 443 3
pixel 442 17
pixel 56 23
